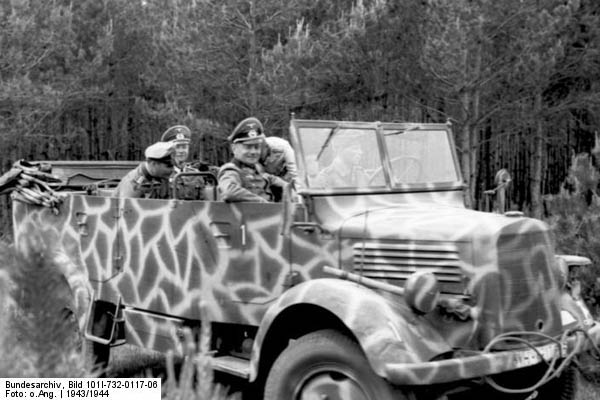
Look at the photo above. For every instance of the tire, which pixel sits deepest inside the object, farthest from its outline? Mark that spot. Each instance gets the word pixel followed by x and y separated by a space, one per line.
pixel 564 387
pixel 326 365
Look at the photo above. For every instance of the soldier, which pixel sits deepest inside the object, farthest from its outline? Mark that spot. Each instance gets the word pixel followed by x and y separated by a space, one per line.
pixel 345 169
pixel 189 187
pixel 150 179
pixel 241 179
pixel 277 156
pixel 180 136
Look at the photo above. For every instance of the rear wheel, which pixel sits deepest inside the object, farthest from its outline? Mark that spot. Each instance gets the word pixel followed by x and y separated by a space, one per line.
pixel 326 365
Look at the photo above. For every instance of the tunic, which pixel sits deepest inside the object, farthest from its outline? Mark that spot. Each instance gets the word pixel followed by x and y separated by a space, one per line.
pixel 242 182
pixel 280 160
pixel 138 183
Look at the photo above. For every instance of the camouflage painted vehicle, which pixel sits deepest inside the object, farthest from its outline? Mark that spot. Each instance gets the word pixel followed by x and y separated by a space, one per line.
pixel 387 290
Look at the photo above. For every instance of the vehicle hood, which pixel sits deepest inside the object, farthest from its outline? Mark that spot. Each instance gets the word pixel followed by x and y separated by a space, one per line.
pixel 433 223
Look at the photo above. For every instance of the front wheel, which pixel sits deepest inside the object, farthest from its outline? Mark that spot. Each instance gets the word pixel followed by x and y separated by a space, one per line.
pixel 564 387
pixel 326 365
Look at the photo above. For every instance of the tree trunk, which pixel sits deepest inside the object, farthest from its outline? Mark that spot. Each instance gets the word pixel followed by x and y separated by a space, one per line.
pixel 465 136
pixel 536 167
pixel 253 58
pixel 465 156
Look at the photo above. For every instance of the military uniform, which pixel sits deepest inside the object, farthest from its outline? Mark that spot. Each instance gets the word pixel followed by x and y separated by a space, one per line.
pixel 278 159
pixel 186 187
pixel 243 182
pixel 140 183
pixel 242 179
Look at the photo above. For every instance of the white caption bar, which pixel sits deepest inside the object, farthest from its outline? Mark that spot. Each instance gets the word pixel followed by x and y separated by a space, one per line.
pixel 81 388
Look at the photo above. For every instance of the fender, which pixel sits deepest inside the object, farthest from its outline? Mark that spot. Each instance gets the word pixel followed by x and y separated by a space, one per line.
pixel 386 329
pixel 574 260
pixel 81 290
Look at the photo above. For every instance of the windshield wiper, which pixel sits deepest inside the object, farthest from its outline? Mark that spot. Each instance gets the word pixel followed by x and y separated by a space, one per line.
pixel 411 128
pixel 326 143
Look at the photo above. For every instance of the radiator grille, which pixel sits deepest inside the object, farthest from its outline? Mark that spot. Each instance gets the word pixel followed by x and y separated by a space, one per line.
pixel 526 275
pixel 395 262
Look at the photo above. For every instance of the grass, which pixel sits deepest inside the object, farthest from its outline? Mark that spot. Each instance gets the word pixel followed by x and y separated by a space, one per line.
pixel 589 389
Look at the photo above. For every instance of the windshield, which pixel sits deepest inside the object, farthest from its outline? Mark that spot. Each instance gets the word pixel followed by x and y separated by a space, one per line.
pixel 420 156
pixel 350 157
pixel 341 157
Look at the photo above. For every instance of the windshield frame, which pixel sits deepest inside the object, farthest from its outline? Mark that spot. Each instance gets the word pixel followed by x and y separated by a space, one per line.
pixel 388 187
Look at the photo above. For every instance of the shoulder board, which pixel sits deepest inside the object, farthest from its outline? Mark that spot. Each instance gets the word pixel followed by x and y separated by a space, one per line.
pixel 229 167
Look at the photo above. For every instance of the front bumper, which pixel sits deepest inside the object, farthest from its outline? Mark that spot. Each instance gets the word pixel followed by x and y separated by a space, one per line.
pixel 476 366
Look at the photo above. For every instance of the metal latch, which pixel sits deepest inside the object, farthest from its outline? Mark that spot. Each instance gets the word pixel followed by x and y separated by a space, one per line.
pixel 81 219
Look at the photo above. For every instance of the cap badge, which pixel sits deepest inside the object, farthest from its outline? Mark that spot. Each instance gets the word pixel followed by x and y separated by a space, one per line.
pixel 252 133
pixel 180 136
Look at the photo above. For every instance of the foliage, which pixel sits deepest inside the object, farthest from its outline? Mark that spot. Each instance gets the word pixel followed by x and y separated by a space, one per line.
pixel 195 379
pixel 102 79
pixel 574 216
pixel 37 338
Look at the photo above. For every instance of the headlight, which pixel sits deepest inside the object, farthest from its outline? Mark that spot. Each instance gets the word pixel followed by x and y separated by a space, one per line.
pixel 422 291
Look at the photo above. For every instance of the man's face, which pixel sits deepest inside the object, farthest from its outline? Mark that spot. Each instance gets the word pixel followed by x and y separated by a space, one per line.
pixel 182 151
pixel 247 152
pixel 160 169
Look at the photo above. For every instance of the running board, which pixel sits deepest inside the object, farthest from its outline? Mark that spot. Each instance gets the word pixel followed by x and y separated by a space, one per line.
pixel 232 365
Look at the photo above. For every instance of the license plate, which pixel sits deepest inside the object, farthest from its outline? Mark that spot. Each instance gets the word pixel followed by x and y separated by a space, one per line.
pixel 526 358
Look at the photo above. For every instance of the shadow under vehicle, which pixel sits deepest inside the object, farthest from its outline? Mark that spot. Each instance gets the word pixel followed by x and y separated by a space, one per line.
pixel 383 287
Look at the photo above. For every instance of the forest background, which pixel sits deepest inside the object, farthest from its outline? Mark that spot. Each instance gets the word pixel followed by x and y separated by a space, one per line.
pixel 518 79
pixel 102 79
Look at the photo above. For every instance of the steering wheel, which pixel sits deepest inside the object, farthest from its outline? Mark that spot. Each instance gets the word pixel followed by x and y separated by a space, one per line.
pixel 405 169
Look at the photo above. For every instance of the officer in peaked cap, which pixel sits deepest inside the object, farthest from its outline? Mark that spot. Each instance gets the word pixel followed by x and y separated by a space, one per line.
pixel 189 187
pixel 180 135
pixel 248 129
pixel 241 179
pixel 150 179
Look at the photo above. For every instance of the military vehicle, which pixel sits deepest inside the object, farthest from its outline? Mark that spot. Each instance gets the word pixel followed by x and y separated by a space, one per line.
pixel 371 280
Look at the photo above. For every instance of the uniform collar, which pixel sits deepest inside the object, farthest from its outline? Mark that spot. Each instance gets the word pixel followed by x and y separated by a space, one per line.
pixel 241 164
